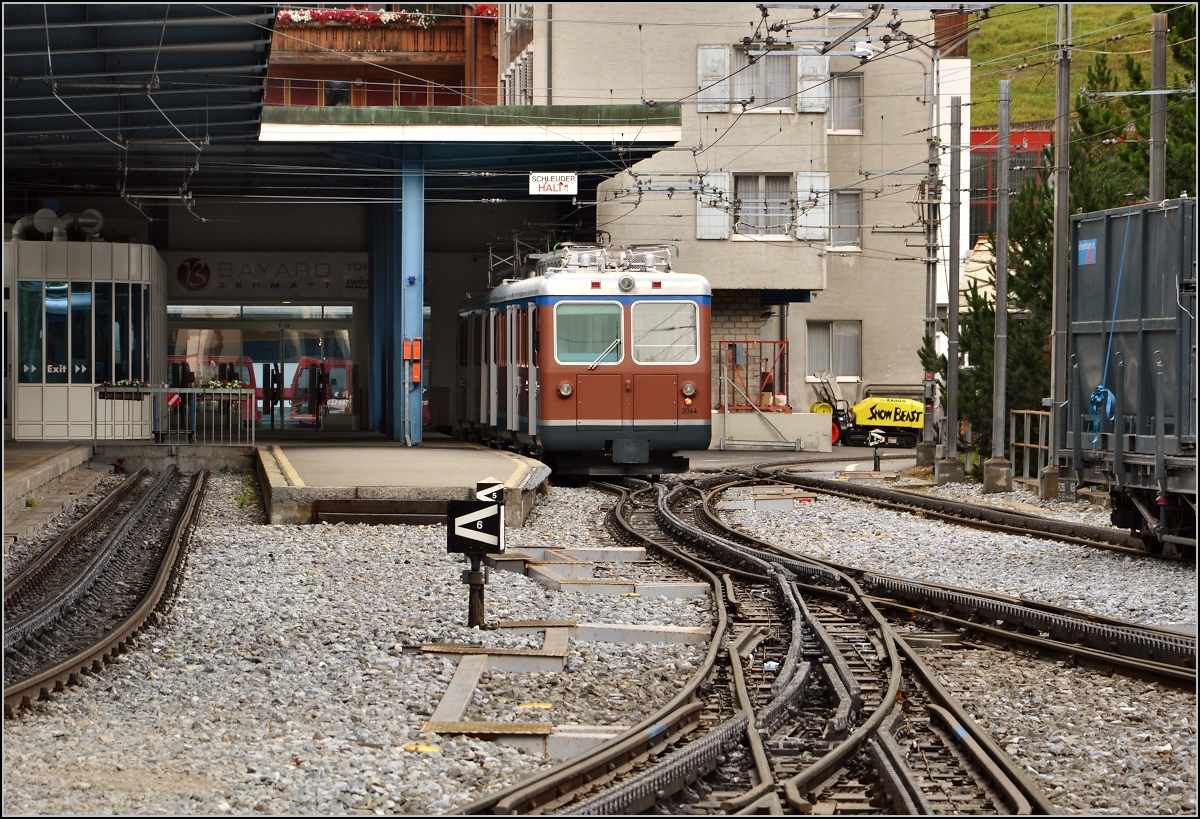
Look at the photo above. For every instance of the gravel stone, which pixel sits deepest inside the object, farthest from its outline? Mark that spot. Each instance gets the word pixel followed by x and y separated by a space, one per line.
pixel 287 678
pixel 1097 744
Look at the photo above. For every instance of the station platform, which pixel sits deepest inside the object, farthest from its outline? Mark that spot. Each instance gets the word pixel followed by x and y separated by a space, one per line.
pixel 298 472
pixel 295 471
pixel 296 475
pixel 29 469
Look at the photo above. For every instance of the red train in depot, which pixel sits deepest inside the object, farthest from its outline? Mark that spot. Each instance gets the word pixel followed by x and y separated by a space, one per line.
pixel 600 364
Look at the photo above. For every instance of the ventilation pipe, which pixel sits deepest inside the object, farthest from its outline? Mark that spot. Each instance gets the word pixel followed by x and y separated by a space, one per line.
pixel 90 222
pixel 42 221
pixel 23 224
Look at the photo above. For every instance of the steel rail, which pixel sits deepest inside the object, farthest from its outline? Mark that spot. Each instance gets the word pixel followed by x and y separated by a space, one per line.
pixel 51 608
pixel 907 797
pixel 794 787
pixel 1176 676
pixel 969 514
pixel 1178 650
pixel 694 760
pixel 762 765
pixel 999 767
pixel 1069 625
pixel 1001 762
pixel 837 672
pixel 528 795
pixel 153 605
pixel 42 559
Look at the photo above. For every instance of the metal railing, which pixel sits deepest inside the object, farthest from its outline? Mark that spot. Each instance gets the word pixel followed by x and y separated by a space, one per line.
pixel 168 415
pixel 1024 441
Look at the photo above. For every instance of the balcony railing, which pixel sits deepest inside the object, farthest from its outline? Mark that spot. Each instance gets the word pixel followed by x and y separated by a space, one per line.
pixel 447 39
pixel 325 57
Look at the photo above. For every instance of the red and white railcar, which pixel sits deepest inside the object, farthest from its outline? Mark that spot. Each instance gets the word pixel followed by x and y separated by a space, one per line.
pixel 600 364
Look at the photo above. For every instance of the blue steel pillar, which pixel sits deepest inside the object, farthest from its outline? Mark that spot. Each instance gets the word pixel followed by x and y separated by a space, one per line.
pixel 397 315
pixel 408 299
pixel 413 263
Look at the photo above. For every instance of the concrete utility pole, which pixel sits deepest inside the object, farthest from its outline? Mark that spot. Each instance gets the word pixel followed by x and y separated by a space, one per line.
pixel 951 468
pixel 997 470
pixel 1158 109
pixel 933 198
pixel 1048 480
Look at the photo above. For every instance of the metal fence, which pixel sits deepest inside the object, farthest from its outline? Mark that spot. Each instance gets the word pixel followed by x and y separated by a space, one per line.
pixel 1023 427
pixel 168 415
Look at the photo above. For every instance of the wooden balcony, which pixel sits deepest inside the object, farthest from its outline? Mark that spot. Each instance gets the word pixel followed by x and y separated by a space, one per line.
pixel 451 63
pixel 305 43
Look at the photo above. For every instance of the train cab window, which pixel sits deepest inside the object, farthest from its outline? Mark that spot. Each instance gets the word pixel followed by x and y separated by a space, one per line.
pixel 338 382
pixel 587 333
pixel 665 332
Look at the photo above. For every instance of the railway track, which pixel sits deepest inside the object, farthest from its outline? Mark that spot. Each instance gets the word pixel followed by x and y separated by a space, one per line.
pixel 1053 632
pixel 962 513
pixel 83 598
pixel 798 707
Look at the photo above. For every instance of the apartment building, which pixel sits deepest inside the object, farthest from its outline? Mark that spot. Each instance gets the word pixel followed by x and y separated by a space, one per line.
pixel 795 188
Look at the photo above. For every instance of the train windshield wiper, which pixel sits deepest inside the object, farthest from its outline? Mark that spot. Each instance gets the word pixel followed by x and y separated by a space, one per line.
pixel 607 349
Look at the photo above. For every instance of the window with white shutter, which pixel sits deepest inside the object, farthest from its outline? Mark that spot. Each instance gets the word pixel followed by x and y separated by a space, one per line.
pixel 846 224
pixel 762 204
pixel 712 78
pixel 836 347
pixel 766 79
pixel 846 103
pixel 713 217
pixel 813 90
pixel 812 206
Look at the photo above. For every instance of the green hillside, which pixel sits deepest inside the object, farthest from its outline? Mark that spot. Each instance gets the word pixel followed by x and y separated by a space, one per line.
pixel 1016 43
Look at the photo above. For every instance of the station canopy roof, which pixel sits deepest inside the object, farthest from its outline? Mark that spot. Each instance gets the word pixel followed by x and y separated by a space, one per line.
pixel 163 104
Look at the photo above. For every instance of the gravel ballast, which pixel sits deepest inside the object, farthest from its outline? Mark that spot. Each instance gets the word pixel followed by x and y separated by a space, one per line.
pixel 1096 744
pixel 287 680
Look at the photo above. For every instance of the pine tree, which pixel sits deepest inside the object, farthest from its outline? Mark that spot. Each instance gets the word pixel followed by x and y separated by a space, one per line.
pixel 1099 179
pixel 1181 111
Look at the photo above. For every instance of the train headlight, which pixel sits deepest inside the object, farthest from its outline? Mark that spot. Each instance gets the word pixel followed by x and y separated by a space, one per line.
pixel 688 389
pixel 625 283
pixel 687 402
pixel 564 389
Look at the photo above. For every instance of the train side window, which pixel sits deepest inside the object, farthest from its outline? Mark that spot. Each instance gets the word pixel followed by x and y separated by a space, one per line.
pixel 523 337
pixel 537 335
pixel 587 333
pixel 501 346
pixel 665 332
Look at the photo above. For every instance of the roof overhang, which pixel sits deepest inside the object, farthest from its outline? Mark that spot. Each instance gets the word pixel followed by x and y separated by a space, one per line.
pixel 614 125
pixel 163 104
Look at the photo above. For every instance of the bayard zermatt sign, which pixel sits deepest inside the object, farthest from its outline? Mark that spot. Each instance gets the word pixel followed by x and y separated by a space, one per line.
pixel 247 278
